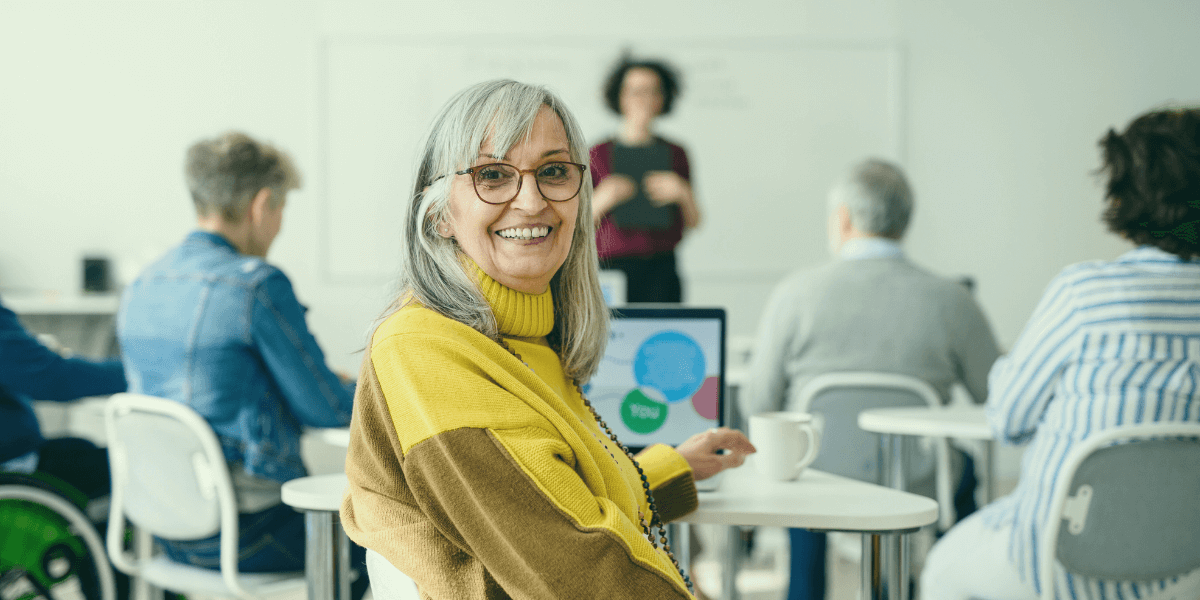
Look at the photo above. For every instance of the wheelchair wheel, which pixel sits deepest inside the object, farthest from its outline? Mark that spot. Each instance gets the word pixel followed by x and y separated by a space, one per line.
pixel 48 547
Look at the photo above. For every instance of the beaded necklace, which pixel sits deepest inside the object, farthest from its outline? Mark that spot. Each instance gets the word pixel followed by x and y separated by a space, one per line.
pixel 655 520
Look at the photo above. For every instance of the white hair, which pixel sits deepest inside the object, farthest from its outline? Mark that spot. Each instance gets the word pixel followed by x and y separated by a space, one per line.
pixel 225 172
pixel 432 271
pixel 878 198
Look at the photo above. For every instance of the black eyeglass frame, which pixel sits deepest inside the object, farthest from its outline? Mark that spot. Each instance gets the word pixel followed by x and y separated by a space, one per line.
pixel 520 179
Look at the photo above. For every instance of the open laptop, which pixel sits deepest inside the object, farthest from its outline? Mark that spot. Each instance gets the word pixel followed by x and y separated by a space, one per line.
pixel 662 379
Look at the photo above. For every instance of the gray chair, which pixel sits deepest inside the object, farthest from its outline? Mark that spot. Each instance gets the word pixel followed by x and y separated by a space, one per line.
pixel 1129 499
pixel 170 480
pixel 849 451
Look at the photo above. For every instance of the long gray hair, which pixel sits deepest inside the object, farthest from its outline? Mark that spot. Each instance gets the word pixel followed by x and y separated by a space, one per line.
pixel 431 271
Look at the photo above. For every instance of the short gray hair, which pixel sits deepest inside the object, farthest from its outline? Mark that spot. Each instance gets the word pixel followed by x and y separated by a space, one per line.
pixel 431 270
pixel 877 196
pixel 225 172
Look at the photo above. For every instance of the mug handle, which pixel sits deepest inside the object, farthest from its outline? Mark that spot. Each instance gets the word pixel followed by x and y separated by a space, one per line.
pixel 814 437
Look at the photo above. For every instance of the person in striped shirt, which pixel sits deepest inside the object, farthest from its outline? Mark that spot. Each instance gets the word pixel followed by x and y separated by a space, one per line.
pixel 1111 343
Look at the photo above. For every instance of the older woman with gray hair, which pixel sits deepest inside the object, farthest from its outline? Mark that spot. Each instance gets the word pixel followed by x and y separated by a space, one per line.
pixel 476 465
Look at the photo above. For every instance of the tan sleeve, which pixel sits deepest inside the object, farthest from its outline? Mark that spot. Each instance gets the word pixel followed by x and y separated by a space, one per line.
pixel 379 511
pixel 671 481
pixel 479 496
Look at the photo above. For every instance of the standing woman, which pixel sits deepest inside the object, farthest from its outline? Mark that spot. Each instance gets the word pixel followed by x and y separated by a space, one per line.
pixel 476 466
pixel 643 200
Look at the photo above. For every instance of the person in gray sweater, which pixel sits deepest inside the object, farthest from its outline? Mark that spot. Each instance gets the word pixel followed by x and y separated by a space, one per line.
pixel 870 309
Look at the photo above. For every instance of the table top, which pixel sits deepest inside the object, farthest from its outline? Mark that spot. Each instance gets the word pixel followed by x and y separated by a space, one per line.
pixel 316 492
pixel 815 500
pixel 967 422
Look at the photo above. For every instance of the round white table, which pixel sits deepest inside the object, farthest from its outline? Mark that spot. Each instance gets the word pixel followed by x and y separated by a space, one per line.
pixel 327 549
pixel 963 422
pixel 822 502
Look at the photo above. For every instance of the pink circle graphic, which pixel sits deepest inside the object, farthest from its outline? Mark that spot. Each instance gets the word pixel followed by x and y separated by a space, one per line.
pixel 705 399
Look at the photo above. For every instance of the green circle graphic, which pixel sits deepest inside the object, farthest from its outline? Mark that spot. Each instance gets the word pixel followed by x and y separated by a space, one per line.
pixel 642 414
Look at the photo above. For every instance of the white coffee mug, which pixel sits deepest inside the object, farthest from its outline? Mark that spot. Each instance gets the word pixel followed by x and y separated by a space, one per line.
pixel 787 442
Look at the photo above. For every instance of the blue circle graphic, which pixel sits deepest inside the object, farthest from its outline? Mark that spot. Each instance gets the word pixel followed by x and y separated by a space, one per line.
pixel 672 363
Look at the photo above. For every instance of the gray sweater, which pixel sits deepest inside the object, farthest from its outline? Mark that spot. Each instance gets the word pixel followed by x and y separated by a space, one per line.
pixel 875 314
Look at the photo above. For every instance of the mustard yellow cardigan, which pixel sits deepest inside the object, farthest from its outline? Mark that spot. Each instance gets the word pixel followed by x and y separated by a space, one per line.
pixel 481 477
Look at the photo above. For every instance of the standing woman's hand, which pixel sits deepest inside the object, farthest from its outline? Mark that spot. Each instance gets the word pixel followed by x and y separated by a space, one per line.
pixel 702 451
pixel 667 187
pixel 613 191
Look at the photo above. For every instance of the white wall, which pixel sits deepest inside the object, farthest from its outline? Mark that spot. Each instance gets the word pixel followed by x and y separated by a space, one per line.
pixel 1001 108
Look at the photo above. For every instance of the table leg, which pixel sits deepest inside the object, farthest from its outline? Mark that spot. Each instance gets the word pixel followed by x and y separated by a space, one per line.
pixel 872 567
pixel 989 470
pixel 732 562
pixel 901 562
pixel 681 545
pixel 320 558
pixel 343 559
pixel 885 566
pixel 894 552
pixel 897 449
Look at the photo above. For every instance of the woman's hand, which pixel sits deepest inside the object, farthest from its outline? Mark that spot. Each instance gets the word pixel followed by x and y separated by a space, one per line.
pixel 612 192
pixel 701 451
pixel 666 187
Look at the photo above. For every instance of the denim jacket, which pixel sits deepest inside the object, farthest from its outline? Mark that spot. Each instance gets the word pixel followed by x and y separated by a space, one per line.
pixel 223 333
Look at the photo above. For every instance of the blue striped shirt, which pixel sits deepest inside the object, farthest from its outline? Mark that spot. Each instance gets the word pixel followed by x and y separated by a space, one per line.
pixel 1109 344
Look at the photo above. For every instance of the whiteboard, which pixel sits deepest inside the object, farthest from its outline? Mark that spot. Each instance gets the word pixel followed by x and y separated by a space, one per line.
pixel 768 125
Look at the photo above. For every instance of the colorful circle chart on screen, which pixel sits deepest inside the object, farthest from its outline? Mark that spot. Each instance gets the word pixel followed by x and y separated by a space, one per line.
pixel 669 367
pixel 672 363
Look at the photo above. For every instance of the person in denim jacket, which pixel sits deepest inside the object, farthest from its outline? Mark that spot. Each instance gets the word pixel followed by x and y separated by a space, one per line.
pixel 213 325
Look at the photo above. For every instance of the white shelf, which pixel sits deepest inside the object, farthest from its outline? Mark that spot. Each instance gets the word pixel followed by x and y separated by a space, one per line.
pixel 52 303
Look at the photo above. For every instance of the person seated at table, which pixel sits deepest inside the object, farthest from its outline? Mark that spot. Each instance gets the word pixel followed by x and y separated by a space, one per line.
pixel 215 326
pixel 30 370
pixel 871 309
pixel 477 466
pixel 1107 345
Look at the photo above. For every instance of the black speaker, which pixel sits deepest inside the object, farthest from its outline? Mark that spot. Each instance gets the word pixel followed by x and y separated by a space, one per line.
pixel 96 274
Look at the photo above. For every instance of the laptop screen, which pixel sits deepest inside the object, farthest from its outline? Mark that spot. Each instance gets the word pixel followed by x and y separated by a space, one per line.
pixel 662 379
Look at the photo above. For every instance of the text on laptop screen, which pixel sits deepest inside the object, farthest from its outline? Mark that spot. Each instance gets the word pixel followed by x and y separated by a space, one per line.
pixel 662 375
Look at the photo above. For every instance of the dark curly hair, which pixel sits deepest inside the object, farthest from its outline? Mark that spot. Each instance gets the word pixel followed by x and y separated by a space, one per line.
pixel 1153 189
pixel 666 75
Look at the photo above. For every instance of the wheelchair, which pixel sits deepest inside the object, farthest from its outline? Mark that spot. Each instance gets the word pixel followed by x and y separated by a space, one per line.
pixel 49 549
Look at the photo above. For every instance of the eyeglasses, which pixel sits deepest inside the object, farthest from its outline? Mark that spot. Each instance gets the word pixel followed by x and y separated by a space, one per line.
pixel 499 183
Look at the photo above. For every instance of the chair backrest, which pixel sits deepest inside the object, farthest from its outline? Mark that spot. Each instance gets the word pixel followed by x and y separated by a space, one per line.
pixel 167 464
pixel 170 479
pixel 1129 499
pixel 846 449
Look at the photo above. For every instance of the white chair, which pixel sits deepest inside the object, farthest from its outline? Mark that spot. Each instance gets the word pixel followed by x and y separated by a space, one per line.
pixel 170 480
pixel 389 582
pixel 851 452
pixel 1128 496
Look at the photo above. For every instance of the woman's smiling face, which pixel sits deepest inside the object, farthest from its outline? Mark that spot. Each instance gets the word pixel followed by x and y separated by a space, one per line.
pixel 494 235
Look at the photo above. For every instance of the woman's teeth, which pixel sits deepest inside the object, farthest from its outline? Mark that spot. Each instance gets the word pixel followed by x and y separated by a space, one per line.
pixel 526 233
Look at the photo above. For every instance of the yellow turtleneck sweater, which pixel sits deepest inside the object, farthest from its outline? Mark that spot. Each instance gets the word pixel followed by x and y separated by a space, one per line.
pixel 481 477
